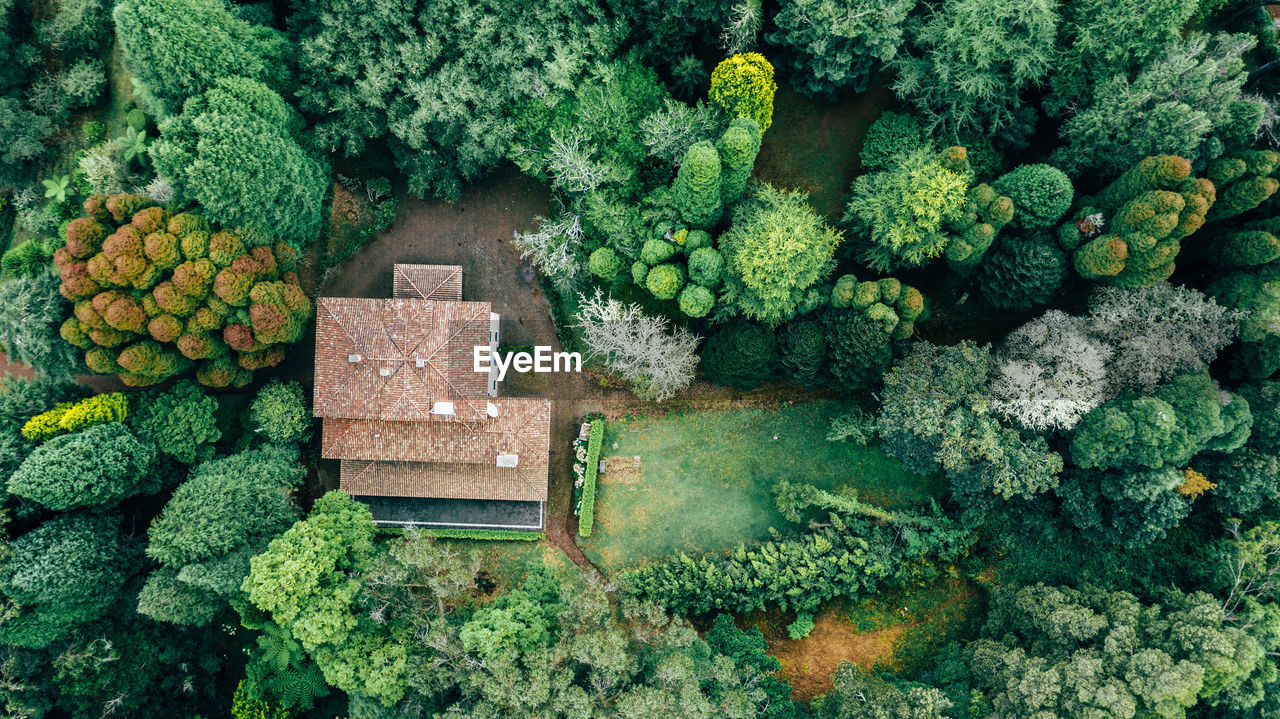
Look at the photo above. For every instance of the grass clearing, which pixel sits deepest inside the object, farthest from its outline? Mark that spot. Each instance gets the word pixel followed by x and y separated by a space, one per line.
pixel 704 479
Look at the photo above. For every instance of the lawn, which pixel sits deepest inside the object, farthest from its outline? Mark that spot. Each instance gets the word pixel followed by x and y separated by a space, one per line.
pixel 704 479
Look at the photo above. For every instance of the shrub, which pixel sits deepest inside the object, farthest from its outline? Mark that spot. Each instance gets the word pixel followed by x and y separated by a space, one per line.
pixel 492 535
pixel 639 271
pixel 232 318
pixel 802 349
pixel 801 627
pixel 603 263
pixel 587 512
pixel 1041 194
pixel 73 417
pixel 665 281
pixel 31 316
pixel 696 301
pixel 25 260
pixel 776 248
pixel 1024 271
pixel 741 355
pixel 279 412
pixel 891 135
pixel 858 347
pixel 737 148
pixel 95 468
pixel 695 195
pixel 743 85
pixel 181 422
pixel 706 267
pixel 656 251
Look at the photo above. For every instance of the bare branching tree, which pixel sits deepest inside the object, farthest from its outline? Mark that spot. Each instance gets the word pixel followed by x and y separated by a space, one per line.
pixel 638 347
pixel 554 248
pixel 743 28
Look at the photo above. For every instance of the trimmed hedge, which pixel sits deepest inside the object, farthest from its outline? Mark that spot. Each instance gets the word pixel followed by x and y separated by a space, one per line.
pixel 587 512
pixel 506 535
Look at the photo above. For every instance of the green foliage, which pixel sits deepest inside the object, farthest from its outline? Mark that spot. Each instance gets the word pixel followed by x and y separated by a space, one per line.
pixel 801 627
pixel 68 571
pixel 851 557
pixel 737 149
pixel 453 116
pixel 776 248
pixel 156 292
pixel 244 707
pixel 902 211
pixel 30 312
pixel 487 535
pixel 665 281
pixel 25 260
pixel 225 513
pixel 1243 181
pixel 279 412
pixel 281 673
pixel 742 355
pixel 829 48
pixel 587 510
pixel 181 421
pixel 604 263
pixel 802 351
pixel 656 251
pixel 1050 635
pixel 706 267
pixel 73 417
pixel 695 194
pixel 96 468
pixel 970 60
pixel 974 231
pixel 1024 271
pixel 858 348
pixel 696 301
pixel 891 135
pixel 236 151
pixel 935 414
pixel 1150 209
pixel 178 49
pixel 857 695
pixel 1188 102
pixel 855 425
pixel 743 85
pixel 1041 194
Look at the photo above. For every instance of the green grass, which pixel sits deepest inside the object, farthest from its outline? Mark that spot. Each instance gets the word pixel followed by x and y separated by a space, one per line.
pixel 706 477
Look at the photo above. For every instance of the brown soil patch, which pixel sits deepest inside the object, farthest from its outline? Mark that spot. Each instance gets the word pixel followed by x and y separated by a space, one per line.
pixel 809 663
pixel 621 470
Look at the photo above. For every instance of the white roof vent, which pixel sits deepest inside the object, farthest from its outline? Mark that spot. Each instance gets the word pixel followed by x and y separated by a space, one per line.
pixel 385 371
pixel 353 358
pixel 492 410
pixel 442 408
pixel 419 362
pixel 508 460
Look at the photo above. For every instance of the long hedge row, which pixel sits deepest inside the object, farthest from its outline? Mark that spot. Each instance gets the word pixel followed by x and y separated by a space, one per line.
pixel 504 535
pixel 587 512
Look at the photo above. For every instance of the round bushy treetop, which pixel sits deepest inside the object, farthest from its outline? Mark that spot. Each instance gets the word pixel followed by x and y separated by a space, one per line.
pixel 858 348
pixel 695 195
pixel 1131 509
pixel 280 412
pixel 696 300
pixel 1041 194
pixel 180 48
pixel 802 347
pixel 1025 270
pixel 1247 481
pixel 743 85
pixel 97 468
pixel 891 135
pixel 236 151
pixel 665 281
pixel 181 422
pixel 154 292
pixel 1264 406
pixel 829 47
pixel 776 249
pixel 639 271
pixel 738 148
pixel 695 240
pixel 656 251
pixel 1131 433
pixel 70 570
pixel 742 355
pixel 604 263
pixel 706 267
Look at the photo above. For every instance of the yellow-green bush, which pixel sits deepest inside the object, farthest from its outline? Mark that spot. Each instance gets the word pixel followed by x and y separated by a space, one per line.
pixel 73 417
pixel 743 85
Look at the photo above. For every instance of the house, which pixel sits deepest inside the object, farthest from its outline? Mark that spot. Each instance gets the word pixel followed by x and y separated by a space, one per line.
pixel 422 438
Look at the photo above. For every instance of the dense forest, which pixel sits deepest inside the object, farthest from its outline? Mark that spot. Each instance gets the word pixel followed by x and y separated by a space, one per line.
pixel 1052 281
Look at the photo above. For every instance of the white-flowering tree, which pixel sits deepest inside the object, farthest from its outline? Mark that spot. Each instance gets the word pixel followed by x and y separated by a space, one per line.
pixel 669 132
pixel 554 248
pixel 1157 332
pixel 656 360
pixel 1049 373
